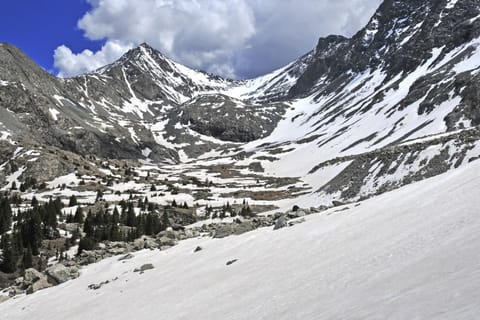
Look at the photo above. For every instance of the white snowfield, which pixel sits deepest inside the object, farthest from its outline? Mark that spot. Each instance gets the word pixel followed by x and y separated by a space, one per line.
pixel 409 254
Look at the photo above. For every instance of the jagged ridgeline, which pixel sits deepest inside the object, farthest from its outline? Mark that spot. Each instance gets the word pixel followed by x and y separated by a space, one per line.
pixel 396 103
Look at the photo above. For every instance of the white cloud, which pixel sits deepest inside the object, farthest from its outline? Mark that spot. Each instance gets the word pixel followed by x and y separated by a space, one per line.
pixel 71 64
pixel 231 37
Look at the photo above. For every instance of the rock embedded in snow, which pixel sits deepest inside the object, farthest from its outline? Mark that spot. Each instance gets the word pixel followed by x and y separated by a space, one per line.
pixel 32 275
pixel 281 222
pixel 145 267
pixel 61 273
pixel 231 262
pixel 128 256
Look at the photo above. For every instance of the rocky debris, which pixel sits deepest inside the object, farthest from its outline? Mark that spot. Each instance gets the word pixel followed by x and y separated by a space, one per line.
pixel 143 268
pixel 166 242
pixel 298 213
pixel 145 243
pixel 238 227
pixel 31 276
pixel 33 281
pixel 231 262
pixel 60 273
pixel 3 298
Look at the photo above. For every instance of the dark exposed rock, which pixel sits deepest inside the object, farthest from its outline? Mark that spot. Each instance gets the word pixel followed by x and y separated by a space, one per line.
pixel 145 267
pixel 231 262
pixel 225 118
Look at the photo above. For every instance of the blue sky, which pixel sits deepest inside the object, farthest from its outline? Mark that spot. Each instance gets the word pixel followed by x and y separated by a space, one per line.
pixel 234 38
pixel 38 27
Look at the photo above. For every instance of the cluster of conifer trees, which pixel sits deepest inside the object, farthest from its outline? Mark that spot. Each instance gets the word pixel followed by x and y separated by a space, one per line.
pixel 122 225
pixel 22 234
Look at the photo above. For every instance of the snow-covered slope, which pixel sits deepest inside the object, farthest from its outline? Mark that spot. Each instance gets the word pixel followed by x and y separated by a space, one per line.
pixel 408 254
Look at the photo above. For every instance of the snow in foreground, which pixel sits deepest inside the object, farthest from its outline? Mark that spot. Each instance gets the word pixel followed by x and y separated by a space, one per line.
pixel 409 254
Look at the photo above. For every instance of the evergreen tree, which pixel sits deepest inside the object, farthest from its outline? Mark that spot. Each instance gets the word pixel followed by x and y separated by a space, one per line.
pixel 86 244
pixel 88 225
pixel 78 218
pixel 99 195
pixel 165 220
pixel 35 237
pixel 115 216
pixel 130 215
pixel 5 215
pixel 34 202
pixel 27 261
pixel 73 201
pixel 8 263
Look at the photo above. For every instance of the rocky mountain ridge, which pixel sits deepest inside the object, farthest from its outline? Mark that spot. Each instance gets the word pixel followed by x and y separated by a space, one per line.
pixel 412 74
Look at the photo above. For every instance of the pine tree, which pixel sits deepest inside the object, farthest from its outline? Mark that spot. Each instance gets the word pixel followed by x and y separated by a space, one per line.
pixel 99 195
pixel 73 201
pixel 8 263
pixel 34 202
pixel 88 225
pixel 115 216
pixel 78 218
pixel 5 215
pixel 130 215
pixel 27 260
pixel 35 228
pixel 165 220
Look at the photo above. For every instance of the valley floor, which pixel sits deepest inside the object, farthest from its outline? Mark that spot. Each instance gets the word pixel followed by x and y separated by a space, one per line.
pixel 407 254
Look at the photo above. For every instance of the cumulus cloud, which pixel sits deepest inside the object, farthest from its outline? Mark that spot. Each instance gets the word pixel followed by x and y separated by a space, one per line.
pixel 71 64
pixel 236 38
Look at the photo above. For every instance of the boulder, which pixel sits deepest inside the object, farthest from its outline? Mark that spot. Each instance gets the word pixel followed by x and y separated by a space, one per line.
pixel 223 231
pixel 166 241
pixel 3 298
pixel 145 243
pixel 281 222
pixel 337 203
pixel 169 233
pixel 145 267
pixel 32 275
pixel 126 257
pixel 243 227
pixel 61 273
pixel 38 285
pixel 298 213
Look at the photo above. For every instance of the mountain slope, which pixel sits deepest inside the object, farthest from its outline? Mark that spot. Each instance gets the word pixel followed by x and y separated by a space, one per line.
pixel 418 259
pixel 396 103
